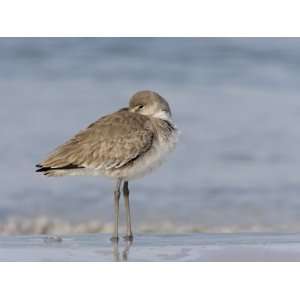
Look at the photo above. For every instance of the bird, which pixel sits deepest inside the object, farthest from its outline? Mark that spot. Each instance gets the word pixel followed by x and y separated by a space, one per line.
pixel 124 145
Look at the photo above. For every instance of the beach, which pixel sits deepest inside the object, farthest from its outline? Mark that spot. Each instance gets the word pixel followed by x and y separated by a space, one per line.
pixel 161 248
pixel 229 192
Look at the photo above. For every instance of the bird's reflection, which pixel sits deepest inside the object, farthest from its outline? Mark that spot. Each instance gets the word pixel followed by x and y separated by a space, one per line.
pixel 125 252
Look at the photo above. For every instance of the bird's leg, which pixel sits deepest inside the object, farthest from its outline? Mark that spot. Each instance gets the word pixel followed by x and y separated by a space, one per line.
pixel 115 236
pixel 129 236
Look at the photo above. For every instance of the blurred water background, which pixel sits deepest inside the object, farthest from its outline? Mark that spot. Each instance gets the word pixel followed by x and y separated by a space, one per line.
pixel 236 102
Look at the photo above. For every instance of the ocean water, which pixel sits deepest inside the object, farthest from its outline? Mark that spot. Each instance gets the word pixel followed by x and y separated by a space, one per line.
pixel 236 102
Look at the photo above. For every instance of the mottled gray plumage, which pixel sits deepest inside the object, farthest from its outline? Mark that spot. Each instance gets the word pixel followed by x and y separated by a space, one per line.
pixel 109 143
pixel 124 145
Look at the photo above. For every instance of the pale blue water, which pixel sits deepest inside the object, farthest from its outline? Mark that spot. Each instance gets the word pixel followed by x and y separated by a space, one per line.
pixel 236 101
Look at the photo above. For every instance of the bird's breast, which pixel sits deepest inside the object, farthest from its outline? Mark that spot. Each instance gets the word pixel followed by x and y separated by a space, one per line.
pixel 153 158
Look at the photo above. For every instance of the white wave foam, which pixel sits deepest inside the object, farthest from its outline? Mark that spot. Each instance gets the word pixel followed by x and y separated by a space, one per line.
pixel 46 225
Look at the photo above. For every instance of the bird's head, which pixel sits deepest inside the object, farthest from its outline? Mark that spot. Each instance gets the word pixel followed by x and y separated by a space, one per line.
pixel 150 104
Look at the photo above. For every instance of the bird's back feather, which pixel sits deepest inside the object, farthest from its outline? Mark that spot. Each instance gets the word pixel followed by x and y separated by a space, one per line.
pixel 109 143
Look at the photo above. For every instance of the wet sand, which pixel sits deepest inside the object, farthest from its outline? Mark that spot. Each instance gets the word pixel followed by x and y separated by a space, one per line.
pixel 193 247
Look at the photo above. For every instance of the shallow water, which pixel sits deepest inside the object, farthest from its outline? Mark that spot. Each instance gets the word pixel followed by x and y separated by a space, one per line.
pixel 236 102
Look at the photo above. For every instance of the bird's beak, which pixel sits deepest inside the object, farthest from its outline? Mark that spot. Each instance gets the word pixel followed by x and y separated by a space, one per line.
pixel 133 109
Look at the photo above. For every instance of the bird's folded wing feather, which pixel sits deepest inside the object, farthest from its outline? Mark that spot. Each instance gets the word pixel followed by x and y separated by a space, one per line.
pixel 111 142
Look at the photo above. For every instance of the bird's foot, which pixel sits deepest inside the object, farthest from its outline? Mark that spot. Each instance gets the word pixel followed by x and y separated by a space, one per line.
pixel 114 239
pixel 128 238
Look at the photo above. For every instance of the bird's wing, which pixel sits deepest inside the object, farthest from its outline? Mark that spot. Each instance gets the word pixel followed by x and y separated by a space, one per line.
pixel 111 142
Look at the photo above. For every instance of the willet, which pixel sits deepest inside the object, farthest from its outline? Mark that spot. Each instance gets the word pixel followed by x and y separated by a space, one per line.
pixel 124 145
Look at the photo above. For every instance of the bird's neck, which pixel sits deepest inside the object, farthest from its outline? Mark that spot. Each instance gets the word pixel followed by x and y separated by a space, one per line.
pixel 163 115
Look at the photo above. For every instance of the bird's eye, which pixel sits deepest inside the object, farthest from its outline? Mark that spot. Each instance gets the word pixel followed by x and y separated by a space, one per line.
pixel 140 107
